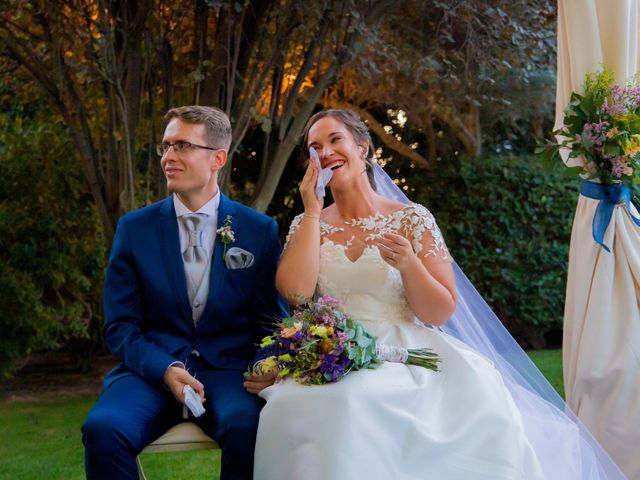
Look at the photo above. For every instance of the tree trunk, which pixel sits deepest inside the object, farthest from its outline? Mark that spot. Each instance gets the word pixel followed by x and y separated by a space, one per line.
pixel 285 147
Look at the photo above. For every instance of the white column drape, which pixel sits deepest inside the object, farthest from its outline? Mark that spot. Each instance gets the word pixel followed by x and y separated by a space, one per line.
pixel 601 345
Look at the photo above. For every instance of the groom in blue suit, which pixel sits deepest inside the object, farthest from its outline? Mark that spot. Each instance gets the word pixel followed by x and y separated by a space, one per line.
pixel 189 292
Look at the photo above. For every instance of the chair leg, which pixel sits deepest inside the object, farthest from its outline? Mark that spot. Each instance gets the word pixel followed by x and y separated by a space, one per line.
pixel 140 470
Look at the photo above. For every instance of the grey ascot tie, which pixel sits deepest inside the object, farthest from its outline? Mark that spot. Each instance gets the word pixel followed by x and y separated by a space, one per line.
pixel 195 256
pixel 194 252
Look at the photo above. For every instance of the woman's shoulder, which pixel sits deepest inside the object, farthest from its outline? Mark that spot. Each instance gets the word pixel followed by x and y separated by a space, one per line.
pixel 415 213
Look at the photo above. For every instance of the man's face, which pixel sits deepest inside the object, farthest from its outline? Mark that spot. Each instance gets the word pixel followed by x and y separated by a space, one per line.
pixel 192 172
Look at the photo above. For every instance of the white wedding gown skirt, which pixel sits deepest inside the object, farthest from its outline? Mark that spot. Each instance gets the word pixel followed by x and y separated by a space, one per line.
pixel 396 421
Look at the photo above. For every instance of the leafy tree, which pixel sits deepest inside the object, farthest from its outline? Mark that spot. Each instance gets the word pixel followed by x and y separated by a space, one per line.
pixel 456 69
pixel 112 66
pixel 103 63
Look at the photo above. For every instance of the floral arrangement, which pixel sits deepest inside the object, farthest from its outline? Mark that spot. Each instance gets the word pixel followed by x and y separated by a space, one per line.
pixel 320 344
pixel 226 233
pixel 602 126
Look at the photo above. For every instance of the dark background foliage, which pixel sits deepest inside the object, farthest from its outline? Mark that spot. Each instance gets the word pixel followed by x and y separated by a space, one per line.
pixel 51 252
pixel 508 224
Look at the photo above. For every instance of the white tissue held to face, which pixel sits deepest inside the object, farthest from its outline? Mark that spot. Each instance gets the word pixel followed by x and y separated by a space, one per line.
pixel 325 173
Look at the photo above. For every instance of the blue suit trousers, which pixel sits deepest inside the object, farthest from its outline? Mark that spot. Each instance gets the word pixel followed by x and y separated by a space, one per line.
pixel 131 413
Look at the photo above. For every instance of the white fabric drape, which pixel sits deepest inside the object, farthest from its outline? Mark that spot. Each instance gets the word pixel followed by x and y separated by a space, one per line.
pixel 601 345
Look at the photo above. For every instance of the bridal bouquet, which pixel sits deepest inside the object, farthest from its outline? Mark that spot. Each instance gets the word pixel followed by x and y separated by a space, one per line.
pixel 320 344
pixel 603 127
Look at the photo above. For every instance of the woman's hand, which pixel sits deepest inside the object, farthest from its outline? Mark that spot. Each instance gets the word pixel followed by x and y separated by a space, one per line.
pixel 397 251
pixel 312 204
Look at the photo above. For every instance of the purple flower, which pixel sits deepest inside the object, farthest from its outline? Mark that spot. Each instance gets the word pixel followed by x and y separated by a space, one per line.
pixel 595 132
pixel 328 301
pixel 622 100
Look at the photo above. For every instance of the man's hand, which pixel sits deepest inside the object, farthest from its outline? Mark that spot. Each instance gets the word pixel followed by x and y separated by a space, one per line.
pixel 176 377
pixel 256 383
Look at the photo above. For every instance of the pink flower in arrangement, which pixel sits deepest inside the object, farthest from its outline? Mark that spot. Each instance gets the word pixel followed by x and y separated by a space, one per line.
pixel 620 167
pixel 596 132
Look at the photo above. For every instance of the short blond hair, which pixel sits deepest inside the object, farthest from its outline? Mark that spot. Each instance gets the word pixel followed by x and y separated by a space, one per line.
pixel 216 122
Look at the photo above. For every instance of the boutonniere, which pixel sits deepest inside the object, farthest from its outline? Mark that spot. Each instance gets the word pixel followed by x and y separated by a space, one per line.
pixel 225 232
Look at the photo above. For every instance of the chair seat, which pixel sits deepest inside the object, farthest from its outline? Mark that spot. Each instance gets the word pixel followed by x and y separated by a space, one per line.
pixel 181 437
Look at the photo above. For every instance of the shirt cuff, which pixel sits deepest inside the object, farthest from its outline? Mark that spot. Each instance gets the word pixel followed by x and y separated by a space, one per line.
pixel 176 364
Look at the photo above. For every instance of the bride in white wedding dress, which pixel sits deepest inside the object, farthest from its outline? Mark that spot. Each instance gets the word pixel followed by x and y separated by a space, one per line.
pixel 388 265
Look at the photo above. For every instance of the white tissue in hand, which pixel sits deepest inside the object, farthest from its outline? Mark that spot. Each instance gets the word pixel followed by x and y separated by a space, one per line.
pixel 192 401
pixel 324 176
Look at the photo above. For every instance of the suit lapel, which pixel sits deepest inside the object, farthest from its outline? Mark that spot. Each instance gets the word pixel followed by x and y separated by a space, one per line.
pixel 218 268
pixel 171 255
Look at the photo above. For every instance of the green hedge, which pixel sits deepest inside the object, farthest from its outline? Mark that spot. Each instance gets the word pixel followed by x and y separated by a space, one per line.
pixel 51 250
pixel 508 225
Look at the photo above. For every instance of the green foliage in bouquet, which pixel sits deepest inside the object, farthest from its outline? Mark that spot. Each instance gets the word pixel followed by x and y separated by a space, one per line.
pixel 602 128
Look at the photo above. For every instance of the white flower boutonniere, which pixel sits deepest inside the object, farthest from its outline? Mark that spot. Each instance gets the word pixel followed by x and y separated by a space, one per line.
pixel 225 232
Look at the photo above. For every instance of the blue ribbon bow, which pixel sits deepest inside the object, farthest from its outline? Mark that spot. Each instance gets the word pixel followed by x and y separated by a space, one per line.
pixel 609 196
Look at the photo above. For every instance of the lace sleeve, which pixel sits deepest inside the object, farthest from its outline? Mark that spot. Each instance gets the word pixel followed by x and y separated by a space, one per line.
pixel 425 236
pixel 295 223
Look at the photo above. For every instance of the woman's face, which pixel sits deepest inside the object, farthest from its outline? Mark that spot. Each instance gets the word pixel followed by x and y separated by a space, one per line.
pixel 338 151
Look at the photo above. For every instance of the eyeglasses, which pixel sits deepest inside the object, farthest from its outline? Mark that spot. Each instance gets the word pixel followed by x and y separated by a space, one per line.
pixel 180 147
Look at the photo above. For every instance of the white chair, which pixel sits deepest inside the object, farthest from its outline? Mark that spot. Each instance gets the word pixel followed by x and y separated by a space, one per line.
pixel 179 438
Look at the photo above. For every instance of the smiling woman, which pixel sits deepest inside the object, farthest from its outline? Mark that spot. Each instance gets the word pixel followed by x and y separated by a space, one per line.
pixel 388 265
pixel 343 131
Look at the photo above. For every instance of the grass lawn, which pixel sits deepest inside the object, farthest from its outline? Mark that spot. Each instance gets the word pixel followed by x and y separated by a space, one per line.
pixel 42 439
pixel 550 364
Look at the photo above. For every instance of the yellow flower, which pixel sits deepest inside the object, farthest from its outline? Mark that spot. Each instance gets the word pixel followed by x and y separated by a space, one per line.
pixel 266 341
pixel 633 146
pixel 285 358
pixel 325 345
pixel 320 331
pixel 267 365
pixel 612 132
pixel 631 150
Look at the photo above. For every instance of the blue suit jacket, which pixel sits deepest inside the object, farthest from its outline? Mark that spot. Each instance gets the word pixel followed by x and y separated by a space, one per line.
pixel 148 322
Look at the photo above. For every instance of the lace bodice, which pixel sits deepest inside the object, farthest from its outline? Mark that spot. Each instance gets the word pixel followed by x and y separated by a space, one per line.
pixel 412 221
pixel 369 289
